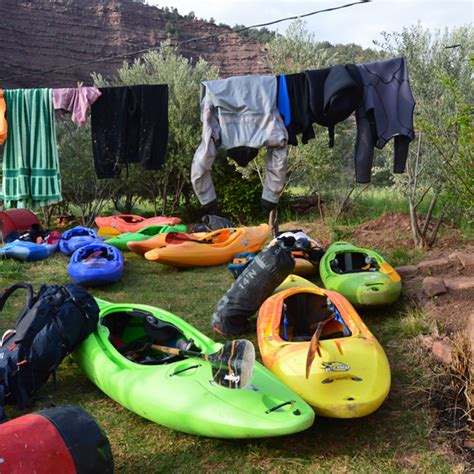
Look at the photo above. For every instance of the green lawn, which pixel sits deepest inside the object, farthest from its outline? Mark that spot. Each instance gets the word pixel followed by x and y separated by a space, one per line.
pixel 399 437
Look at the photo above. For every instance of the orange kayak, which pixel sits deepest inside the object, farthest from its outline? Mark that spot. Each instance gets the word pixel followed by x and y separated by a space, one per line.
pixel 144 246
pixel 131 223
pixel 214 248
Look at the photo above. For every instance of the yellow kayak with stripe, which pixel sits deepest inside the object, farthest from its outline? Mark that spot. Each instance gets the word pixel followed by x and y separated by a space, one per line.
pixel 350 374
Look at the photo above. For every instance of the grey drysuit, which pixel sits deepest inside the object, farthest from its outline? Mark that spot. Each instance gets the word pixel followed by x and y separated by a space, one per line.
pixel 240 112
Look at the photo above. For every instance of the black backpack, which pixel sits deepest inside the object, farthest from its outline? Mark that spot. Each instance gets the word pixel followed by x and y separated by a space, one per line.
pixel 50 326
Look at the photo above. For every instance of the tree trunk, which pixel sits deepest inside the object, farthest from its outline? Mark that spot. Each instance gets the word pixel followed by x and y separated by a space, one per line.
pixel 415 229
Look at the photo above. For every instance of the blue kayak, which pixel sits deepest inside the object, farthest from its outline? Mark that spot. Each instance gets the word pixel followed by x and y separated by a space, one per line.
pixel 76 238
pixel 95 265
pixel 29 251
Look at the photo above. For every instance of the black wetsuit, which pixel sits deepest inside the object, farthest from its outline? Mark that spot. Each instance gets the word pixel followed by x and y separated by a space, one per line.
pixel 334 93
pixel 300 112
pixel 129 125
pixel 386 111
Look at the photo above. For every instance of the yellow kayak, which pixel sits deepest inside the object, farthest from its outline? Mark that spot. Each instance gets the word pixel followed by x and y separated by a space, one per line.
pixel 214 248
pixel 350 374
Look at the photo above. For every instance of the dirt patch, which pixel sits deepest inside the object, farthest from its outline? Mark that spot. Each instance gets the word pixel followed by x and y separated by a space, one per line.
pixel 392 229
pixel 450 311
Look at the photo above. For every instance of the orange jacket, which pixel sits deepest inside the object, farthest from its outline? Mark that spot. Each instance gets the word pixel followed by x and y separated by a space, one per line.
pixel 3 119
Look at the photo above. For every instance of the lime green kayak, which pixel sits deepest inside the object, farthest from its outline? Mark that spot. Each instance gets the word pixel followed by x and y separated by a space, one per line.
pixel 146 233
pixel 359 274
pixel 179 392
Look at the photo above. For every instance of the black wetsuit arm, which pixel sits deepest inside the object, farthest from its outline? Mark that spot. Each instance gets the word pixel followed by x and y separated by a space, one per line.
pixel 364 147
pixel 400 153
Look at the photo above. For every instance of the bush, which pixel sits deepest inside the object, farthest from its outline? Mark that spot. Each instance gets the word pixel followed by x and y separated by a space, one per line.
pixel 238 195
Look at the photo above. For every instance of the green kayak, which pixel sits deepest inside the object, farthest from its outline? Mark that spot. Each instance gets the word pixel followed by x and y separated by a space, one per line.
pixel 179 392
pixel 146 233
pixel 361 275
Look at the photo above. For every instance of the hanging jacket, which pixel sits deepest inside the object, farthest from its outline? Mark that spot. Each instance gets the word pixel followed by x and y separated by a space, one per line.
pixel 386 111
pixel 334 94
pixel 129 125
pixel 238 113
pixel 3 119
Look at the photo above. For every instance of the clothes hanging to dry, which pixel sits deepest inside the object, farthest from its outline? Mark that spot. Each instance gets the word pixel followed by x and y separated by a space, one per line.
pixel 379 93
pixel 129 125
pixel 240 115
pixel 30 161
pixel 76 101
pixel 386 111
pixel 293 94
pixel 334 94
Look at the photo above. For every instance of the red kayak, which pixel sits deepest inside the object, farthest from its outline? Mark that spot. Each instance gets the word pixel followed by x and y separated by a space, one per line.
pixel 131 223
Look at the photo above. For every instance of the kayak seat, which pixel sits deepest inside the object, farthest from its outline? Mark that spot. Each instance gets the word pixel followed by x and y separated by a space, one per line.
pixel 303 312
pixel 133 332
pixel 132 219
pixel 222 236
pixel 353 262
pixel 93 252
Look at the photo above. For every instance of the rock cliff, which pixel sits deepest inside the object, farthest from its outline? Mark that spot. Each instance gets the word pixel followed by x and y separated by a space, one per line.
pixel 45 34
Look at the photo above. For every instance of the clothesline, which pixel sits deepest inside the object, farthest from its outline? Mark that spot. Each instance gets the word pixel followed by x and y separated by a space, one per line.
pixel 242 114
pixel 239 114
pixel 129 125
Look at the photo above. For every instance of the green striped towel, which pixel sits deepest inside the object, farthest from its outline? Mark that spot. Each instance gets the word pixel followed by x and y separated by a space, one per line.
pixel 30 160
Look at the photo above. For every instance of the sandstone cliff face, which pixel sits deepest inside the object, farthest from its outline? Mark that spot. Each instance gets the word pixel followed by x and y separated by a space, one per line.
pixel 39 35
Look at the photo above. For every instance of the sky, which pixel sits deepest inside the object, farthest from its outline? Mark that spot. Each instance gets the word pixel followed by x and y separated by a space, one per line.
pixel 360 24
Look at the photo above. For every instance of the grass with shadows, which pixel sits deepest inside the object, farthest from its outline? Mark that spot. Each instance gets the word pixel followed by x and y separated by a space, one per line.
pixel 397 438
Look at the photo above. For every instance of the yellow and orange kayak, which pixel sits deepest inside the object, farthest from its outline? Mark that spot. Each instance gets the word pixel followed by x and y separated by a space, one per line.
pixel 214 248
pixel 350 374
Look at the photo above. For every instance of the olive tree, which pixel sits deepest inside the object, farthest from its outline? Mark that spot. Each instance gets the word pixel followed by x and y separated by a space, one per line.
pixel 80 186
pixel 168 186
pixel 439 166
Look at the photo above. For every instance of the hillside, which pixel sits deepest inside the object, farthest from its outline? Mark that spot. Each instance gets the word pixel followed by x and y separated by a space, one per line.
pixel 45 34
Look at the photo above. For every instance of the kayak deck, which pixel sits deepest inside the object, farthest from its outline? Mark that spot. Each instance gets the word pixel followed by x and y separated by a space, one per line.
pixel 177 392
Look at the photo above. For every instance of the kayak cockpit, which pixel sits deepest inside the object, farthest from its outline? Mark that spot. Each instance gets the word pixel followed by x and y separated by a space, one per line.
pixel 353 262
pixel 132 333
pixel 92 252
pixel 303 311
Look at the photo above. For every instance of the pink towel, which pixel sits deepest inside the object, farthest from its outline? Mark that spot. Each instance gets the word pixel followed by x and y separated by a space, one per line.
pixel 76 101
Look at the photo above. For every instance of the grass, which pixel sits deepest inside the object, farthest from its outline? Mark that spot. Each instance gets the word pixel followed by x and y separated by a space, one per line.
pixel 396 438
pixel 399 256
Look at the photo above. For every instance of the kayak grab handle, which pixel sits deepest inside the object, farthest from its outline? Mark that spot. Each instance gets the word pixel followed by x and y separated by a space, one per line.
pixel 185 368
pixel 281 405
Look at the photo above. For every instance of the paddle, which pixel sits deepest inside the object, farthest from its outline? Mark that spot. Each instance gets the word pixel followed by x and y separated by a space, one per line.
pixel 232 365
pixel 314 343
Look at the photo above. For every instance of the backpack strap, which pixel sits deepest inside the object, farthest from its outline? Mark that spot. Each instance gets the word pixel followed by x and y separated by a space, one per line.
pixel 3 385
pixel 5 368
pixel 9 291
pixel 29 299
